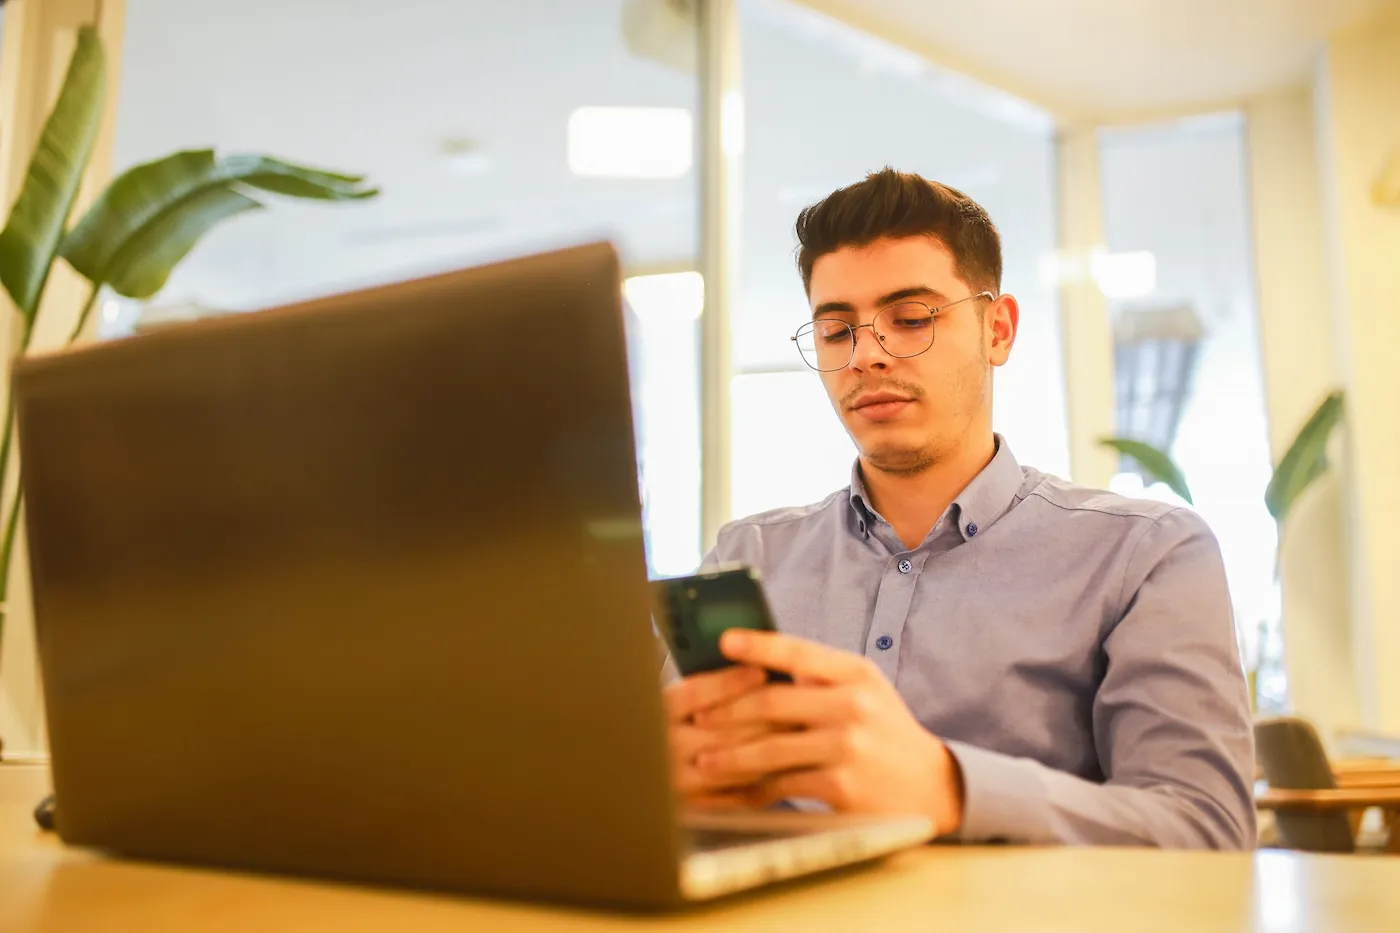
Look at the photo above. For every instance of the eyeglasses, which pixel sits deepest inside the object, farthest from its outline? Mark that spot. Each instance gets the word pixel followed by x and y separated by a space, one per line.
pixel 902 330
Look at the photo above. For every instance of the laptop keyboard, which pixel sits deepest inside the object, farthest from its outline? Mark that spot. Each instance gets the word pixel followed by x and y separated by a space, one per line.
pixel 710 840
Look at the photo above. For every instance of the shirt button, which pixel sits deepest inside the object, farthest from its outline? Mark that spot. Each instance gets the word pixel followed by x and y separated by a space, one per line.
pixel 884 643
pixel 905 567
pixel 972 529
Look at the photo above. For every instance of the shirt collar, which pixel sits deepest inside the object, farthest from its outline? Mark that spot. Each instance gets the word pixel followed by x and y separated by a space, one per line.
pixel 864 515
pixel 991 494
pixel 987 498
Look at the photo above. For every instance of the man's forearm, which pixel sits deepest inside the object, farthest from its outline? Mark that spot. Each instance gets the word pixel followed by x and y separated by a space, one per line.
pixel 1020 800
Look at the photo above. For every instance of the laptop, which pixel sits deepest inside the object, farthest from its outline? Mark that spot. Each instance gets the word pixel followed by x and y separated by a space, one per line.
pixel 356 588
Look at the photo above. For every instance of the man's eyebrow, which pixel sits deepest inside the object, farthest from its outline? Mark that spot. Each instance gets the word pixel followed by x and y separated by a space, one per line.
pixel 833 307
pixel 902 294
pixel 914 291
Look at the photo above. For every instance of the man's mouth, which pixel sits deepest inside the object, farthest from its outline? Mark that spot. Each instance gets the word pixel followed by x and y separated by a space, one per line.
pixel 880 406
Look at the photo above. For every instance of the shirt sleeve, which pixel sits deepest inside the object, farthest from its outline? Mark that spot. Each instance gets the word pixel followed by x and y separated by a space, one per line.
pixel 1171 720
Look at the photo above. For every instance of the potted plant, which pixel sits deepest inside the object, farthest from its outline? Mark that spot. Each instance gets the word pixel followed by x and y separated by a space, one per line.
pixel 1303 462
pixel 136 232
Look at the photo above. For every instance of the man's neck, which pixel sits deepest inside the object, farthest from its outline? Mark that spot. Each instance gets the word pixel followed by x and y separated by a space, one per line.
pixel 914 503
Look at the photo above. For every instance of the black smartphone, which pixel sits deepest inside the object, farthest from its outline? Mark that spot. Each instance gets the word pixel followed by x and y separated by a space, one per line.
pixel 692 612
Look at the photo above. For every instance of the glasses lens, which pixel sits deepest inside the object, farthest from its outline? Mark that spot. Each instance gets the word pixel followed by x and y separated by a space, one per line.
pixel 825 345
pixel 906 329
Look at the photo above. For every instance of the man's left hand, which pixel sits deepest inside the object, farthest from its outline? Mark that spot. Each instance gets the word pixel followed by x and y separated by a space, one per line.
pixel 843 735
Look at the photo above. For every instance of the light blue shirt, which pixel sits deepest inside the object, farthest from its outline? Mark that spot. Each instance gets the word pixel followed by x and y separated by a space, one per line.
pixel 1074 648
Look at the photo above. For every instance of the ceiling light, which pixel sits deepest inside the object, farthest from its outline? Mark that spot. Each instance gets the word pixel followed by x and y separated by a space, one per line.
pixel 630 142
pixel 666 298
pixel 1124 275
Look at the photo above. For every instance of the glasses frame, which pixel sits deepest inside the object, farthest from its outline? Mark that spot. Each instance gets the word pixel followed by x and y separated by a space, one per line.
pixel 879 337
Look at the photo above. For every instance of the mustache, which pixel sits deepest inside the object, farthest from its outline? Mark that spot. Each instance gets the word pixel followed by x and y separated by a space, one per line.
pixel 884 385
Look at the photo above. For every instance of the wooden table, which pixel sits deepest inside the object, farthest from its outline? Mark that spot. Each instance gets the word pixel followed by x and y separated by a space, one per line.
pixel 1362 784
pixel 45 886
pixel 1355 742
pixel 1366 772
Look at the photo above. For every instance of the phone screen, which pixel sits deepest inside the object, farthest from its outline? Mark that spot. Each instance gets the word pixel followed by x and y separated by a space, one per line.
pixel 693 612
pixel 712 618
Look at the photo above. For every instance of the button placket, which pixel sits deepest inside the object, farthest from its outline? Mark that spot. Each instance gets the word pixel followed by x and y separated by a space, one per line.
pixel 891 613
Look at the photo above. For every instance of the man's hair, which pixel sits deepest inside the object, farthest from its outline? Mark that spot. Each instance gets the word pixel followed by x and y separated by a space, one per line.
pixel 900 204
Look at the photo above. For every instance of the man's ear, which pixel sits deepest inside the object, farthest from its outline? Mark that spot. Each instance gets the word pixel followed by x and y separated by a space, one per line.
pixel 1001 322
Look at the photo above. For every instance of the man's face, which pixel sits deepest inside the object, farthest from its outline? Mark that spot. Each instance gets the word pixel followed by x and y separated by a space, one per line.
pixel 933 400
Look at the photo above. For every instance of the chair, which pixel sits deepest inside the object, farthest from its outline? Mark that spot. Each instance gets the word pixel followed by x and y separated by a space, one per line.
pixel 1312 811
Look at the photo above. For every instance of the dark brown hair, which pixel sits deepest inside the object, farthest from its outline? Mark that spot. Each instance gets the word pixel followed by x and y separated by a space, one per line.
pixel 900 204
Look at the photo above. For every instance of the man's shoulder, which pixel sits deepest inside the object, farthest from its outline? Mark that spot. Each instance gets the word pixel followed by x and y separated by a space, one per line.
pixel 1072 497
pixel 786 525
pixel 1126 515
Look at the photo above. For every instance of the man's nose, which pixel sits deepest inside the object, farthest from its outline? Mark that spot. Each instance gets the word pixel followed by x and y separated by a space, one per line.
pixel 868 353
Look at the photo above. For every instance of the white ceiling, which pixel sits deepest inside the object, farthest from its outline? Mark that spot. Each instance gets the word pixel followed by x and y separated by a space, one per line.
pixel 1118 57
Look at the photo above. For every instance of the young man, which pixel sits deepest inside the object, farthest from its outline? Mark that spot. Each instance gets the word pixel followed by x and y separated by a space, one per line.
pixel 1017 657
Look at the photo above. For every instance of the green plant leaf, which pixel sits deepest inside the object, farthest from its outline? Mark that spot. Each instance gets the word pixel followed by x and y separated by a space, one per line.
pixel 1158 464
pixel 1306 458
pixel 297 181
pixel 151 216
pixel 150 254
pixel 31 237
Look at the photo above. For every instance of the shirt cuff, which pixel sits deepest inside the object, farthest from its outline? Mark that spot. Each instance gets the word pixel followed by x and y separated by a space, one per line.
pixel 1004 798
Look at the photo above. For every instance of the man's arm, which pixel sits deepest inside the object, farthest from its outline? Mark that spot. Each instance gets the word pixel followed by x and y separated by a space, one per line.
pixel 1172 721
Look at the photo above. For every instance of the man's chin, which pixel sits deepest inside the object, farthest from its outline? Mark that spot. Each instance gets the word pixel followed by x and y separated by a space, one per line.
pixel 897 459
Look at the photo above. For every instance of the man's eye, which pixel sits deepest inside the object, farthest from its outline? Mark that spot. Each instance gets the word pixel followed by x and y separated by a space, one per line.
pixel 913 322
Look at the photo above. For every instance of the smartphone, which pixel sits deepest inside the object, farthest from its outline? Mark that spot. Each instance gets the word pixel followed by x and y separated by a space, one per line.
pixel 692 612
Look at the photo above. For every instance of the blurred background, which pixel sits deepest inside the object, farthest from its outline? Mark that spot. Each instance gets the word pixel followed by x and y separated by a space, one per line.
pixel 1191 195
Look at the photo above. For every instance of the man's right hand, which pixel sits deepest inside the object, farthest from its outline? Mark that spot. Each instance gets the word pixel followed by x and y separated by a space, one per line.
pixel 698 693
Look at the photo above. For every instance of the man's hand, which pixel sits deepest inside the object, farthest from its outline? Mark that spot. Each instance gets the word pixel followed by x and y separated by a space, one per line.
pixel 841 734
pixel 693 696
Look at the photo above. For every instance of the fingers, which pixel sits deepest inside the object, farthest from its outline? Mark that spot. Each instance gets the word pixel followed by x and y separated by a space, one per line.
pixel 805 660
pixel 688 742
pixel 786 705
pixel 832 786
pixel 735 765
pixel 688 696
pixel 731 800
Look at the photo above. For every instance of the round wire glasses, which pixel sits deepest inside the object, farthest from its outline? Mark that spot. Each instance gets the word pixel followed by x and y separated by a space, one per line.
pixel 902 330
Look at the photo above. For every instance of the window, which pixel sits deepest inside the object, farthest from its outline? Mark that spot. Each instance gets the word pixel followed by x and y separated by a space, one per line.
pixel 664 311
pixel 774 414
pixel 1188 346
pixel 492 129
